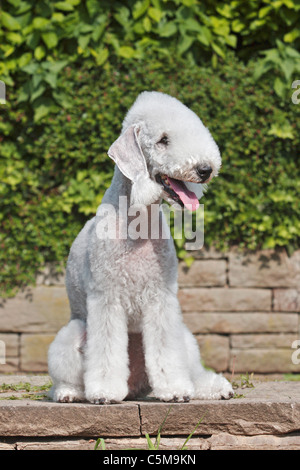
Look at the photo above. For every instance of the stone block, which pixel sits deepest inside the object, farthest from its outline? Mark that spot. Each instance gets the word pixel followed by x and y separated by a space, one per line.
pixel 224 299
pixel 263 341
pixel 28 418
pixel 263 361
pixel 202 273
pixel 214 351
pixel 226 441
pixel 208 253
pixel 11 342
pixel 34 351
pixel 55 444
pixel 266 268
pixel 287 300
pixel 11 365
pixel 6 446
pixel 241 322
pixel 40 309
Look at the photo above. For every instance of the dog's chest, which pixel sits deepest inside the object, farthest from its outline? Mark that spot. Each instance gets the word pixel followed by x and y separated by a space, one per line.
pixel 144 261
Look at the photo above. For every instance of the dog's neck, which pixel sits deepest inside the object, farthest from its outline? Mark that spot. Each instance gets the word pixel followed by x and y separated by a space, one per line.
pixel 121 187
pixel 119 194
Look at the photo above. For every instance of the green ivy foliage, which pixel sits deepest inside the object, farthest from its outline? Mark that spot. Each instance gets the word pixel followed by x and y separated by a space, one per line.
pixel 54 172
pixel 38 38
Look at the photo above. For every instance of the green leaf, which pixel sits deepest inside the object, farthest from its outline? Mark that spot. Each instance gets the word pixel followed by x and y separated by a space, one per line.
pixel 64 6
pixel 237 26
pixel 42 107
pixel 205 35
pixel 126 52
pixel 39 22
pixel 155 14
pixel 139 8
pixel 218 50
pixel 83 41
pixel 39 52
pixel 184 44
pixel 9 22
pixel 31 68
pixel 283 131
pixel 50 39
pixel 189 260
pixel 147 24
pixel 193 432
pixel 37 92
pixel 100 444
pixel 51 79
pixel 192 25
pixel 102 56
pixel 150 443
pixel 279 87
pixel 15 38
pixel 24 59
pixel 291 35
pixel 167 30
pixel 54 67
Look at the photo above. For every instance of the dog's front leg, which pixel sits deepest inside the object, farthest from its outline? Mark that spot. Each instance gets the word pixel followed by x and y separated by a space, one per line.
pixel 106 357
pixel 165 352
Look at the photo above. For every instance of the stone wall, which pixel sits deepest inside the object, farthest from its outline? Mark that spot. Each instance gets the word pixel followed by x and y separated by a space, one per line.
pixel 244 309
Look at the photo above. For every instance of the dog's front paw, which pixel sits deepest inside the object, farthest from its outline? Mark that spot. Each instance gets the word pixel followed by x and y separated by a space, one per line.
pixel 66 394
pixel 211 386
pixel 106 393
pixel 176 393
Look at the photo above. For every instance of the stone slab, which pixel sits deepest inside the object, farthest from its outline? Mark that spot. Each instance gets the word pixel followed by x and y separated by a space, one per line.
pixel 265 268
pixel 224 299
pixel 270 408
pixel 44 418
pixel 124 443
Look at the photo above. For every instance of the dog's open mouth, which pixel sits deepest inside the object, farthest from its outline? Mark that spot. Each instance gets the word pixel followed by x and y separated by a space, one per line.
pixel 178 192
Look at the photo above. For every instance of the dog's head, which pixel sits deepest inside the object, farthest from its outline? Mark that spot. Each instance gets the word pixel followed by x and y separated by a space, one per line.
pixel 166 151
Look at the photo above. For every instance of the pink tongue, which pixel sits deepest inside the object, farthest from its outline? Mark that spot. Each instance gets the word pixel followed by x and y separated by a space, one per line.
pixel 188 198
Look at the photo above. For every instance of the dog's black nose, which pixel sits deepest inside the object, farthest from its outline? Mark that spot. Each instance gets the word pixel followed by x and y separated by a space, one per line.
pixel 204 172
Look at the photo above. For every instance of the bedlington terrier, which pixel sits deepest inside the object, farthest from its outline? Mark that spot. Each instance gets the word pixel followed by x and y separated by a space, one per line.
pixel 126 334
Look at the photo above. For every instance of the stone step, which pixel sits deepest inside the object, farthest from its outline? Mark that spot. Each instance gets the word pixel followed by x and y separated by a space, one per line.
pixel 266 416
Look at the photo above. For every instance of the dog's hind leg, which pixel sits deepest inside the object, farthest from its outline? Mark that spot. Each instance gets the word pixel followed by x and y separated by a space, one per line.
pixel 65 362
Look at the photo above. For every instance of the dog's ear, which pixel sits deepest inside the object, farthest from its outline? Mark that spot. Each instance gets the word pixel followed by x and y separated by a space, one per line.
pixel 127 154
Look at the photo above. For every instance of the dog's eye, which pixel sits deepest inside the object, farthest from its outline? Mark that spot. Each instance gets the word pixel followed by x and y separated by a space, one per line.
pixel 164 140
